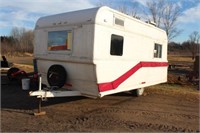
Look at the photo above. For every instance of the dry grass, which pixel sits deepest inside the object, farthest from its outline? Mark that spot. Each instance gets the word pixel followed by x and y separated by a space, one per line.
pixel 174 58
pixel 26 60
pixel 26 68
pixel 184 91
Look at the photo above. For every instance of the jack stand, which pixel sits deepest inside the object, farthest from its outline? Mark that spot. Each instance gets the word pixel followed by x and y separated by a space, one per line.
pixel 40 112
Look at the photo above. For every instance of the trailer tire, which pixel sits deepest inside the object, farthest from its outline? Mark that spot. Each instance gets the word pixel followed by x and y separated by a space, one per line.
pixel 56 76
pixel 138 92
pixel 10 72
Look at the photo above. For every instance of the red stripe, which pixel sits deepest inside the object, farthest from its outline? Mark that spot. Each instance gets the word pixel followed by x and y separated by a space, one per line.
pixel 19 72
pixel 114 84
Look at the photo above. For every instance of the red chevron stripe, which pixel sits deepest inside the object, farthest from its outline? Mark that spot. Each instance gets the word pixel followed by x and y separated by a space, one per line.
pixel 114 84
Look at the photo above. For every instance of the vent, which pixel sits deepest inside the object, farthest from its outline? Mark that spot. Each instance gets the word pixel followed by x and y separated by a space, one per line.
pixel 119 22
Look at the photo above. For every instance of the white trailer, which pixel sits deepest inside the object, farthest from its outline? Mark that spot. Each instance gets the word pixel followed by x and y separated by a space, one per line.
pixel 97 52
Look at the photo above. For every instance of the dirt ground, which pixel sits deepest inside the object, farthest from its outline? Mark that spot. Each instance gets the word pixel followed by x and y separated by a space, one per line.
pixel 163 108
pixel 160 110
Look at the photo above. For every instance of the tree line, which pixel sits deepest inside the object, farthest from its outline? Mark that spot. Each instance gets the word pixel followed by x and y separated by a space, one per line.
pixel 20 41
pixel 189 47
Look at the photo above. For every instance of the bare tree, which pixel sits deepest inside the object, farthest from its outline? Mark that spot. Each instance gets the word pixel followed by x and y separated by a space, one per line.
pixel 16 33
pixel 156 11
pixel 122 7
pixel 23 39
pixel 165 15
pixel 194 38
pixel 26 41
pixel 133 11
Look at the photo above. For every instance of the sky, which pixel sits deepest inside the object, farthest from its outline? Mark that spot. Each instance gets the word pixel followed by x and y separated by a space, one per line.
pixel 25 13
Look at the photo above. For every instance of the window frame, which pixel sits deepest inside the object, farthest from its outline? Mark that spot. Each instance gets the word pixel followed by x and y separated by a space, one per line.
pixel 67 51
pixel 157 52
pixel 119 21
pixel 118 51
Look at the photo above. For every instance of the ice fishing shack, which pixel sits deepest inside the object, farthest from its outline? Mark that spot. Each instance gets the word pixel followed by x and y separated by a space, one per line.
pixel 97 52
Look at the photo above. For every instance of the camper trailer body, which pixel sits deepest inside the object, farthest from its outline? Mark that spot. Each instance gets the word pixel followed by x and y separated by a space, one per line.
pixel 102 50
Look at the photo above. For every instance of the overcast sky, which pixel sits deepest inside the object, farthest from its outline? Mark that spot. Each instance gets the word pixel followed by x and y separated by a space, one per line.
pixel 24 13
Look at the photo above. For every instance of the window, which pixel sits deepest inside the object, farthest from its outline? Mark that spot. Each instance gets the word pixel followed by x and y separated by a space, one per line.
pixel 157 51
pixel 116 45
pixel 59 40
pixel 119 22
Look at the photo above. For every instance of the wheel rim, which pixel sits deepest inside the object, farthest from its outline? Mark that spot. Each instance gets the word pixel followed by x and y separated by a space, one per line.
pixel 140 91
